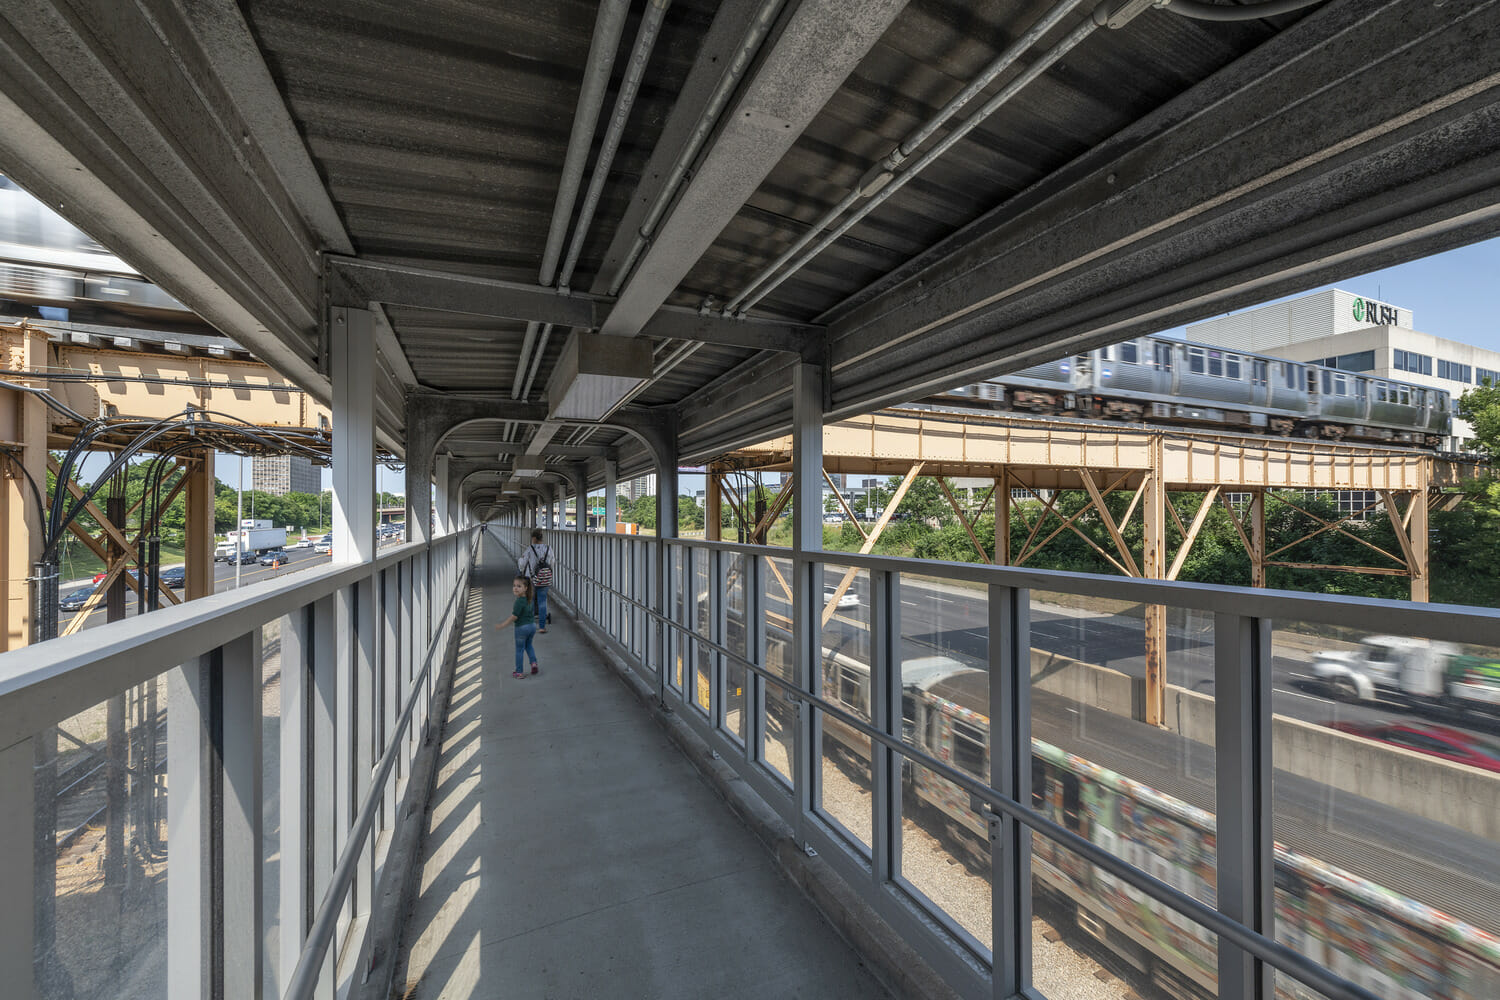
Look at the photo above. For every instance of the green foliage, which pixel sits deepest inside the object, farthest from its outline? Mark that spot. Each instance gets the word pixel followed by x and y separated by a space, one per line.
pixel 689 514
pixel 1480 406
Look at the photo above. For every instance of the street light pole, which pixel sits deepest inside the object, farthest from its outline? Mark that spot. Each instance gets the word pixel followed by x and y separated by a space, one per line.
pixel 239 517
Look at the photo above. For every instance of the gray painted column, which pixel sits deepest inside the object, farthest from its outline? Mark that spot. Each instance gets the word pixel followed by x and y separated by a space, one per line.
pixel 352 372
pixel 192 841
pixel 443 501
pixel 244 849
pixel 579 478
pixel 418 486
pixel 611 486
pixel 17 879
pixel 807 541
pixel 297 895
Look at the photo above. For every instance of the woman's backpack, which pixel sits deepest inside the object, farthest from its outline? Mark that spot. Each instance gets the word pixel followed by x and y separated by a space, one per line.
pixel 541 573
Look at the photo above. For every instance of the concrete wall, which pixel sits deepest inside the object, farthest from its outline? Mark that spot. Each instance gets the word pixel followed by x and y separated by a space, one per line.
pixel 1465 798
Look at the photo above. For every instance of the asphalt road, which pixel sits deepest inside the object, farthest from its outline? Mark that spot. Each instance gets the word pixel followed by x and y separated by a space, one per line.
pixel 939 619
pixel 224 579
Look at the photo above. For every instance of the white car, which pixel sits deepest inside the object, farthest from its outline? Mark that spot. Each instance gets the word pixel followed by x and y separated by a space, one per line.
pixel 322 547
pixel 849 600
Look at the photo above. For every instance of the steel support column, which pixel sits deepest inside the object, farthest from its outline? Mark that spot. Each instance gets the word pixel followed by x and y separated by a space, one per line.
pixel 611 488
pixel 713 513
pixel 199 556
pixel 1155 514
pixel 23 472
pixel 807 542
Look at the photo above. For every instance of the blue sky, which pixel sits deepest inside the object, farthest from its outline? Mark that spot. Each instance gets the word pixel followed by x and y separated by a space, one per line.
pixel 1451 295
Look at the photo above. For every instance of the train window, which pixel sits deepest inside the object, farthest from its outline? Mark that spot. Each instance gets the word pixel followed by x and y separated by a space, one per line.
pixel 1361 388
pixel 1419 398
pixel 908 715
pixel 1340 385
pixel 1259 372
pixel 1312 381
pixel 1106 354
pixel 1071 803
pixel 849 689
pixel 1215 363
pixel 1038 784
pixel 968 748
pixel 1289 374
pixel 1164 357
pixel 1232 366
pixel 1196 363
pixel 1130 354
pixel 1405 395
pixel 1327 383
pixel 1380 392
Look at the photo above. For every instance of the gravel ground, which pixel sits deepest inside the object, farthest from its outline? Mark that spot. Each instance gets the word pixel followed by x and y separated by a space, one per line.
pixel 1059 970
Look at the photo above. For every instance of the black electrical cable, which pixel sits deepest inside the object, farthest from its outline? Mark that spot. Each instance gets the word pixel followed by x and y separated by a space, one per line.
pixel 1245 12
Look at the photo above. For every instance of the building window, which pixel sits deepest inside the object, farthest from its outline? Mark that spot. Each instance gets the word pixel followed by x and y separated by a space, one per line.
pixel 1410 361
pixel 1486 376
pixel 1454 371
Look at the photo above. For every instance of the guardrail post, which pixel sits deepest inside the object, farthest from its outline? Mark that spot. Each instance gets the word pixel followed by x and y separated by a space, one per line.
pixel 807 541
pixel 297 791
pixel 326 756
pixel 194 849
pixel 243 859
pixel 885 715
pixel 1010 774
pixel 17 929
pixel 1246 859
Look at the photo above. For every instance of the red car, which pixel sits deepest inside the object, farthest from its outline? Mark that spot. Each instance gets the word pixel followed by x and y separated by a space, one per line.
pixel 1437 741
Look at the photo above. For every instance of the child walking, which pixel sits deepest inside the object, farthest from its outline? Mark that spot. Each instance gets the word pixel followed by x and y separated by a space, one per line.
pixel 525 620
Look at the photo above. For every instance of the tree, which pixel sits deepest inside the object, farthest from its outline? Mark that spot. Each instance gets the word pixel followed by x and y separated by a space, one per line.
pixel 689 514
pixel 1480 406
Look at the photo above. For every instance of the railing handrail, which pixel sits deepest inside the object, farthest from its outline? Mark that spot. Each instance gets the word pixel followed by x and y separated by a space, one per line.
pixel 1376 615
pixel 43 684
pixel 325 922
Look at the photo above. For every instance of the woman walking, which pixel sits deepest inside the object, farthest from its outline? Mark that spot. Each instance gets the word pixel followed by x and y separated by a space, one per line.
pixel 521 614
pixel 536 566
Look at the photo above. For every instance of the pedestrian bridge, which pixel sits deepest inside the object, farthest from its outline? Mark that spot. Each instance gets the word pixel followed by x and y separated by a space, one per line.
pixel 537 249
pixel 333 787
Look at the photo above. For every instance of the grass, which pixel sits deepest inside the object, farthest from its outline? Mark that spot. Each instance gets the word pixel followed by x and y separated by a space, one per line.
pixel 78 563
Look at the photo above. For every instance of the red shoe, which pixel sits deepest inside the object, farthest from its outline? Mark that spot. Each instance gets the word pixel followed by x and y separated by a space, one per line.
pixel 518 675
pixel 534 669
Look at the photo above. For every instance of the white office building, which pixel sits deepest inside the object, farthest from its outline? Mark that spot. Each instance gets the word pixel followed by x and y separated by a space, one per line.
pixel 1344 330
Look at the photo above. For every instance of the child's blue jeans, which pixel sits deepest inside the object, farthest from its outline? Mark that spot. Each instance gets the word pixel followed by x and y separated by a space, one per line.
pixel 524 634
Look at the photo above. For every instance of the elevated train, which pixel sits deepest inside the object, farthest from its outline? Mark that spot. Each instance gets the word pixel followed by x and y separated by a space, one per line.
pixel 1164 380
pixel 1393 946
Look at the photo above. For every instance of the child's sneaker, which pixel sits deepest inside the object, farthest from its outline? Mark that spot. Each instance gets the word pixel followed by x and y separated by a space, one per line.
pixel 518 674
pixel 534 668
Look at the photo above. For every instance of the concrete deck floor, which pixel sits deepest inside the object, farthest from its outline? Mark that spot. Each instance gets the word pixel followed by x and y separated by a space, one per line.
pixel 572 851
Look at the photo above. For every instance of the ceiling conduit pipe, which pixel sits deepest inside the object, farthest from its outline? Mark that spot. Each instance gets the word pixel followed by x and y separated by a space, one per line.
pixel 881 181
pixel 738 64
pixel 608 27
pixel 645 41
pixel 1245 12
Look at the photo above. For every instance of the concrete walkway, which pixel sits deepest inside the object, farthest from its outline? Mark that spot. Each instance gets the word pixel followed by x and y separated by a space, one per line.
pixel 572 851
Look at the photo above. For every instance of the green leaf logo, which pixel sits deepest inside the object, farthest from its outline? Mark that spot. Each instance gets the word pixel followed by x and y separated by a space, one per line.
pixel 1359 310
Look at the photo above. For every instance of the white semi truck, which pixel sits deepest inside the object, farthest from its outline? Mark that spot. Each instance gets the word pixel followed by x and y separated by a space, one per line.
pixel 1418 670
pixel 253 536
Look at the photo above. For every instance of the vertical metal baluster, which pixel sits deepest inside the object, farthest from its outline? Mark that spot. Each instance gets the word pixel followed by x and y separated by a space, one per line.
pixel 1242 727
pixel 1010 774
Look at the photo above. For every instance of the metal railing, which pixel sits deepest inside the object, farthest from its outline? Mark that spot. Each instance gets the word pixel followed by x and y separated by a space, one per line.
pixel 293 711
pixel 735 641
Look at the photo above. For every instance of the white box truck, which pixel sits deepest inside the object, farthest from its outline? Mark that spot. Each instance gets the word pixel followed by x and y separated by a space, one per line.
pixel 1414 670
pixel 255 538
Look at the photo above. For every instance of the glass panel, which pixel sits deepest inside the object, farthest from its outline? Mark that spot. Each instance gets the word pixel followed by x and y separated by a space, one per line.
pixel 702 686
pixel 702 605
pixel 101 782
pixel 844 678
pixel 1091 928
pixel 736 640
pixel 781 729
pixel 776 583
pixel 1385 791
pixel 945 850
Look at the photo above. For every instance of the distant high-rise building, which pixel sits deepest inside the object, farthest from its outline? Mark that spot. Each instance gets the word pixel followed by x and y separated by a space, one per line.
pixel 282 474
pixel 641 486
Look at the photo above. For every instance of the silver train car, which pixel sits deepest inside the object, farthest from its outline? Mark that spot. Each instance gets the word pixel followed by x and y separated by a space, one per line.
pixel 1164 380
pixel 46 263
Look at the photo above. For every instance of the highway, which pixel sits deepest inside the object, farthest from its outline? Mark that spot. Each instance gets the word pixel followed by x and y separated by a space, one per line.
pixel 224 579
pixel 940 618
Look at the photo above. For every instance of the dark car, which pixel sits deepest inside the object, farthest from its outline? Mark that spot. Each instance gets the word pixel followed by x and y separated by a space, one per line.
pixel 1438 741
pixel 275 557
pixel 74 600
pixel 176 577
